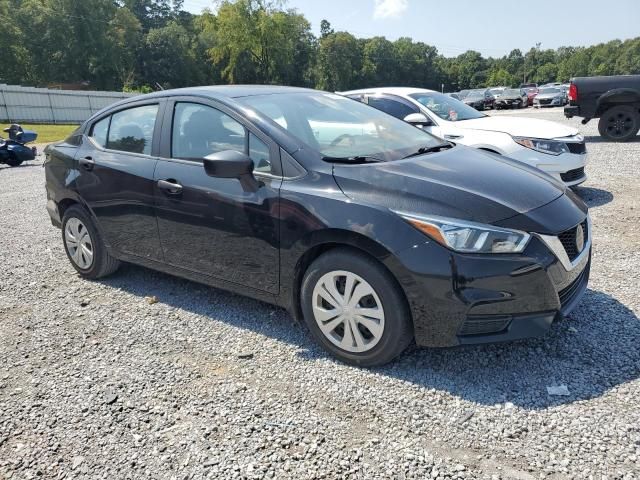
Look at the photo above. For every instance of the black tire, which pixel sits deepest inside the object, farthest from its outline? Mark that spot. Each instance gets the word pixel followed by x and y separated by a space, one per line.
pixel 103 263
pixel 13 161
pixel 398 328
pixel 620 123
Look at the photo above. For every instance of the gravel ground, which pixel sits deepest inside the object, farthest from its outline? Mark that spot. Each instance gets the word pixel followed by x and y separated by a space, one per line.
pixel 96 381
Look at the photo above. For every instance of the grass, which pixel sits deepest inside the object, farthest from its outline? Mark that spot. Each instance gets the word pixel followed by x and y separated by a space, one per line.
pixel 46 133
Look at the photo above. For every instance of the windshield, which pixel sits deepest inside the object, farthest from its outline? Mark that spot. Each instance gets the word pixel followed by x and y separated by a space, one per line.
pixel 542 91
pixel 339 127
pixel 497 91
pixel 511 92
pixel 476 94
pixel 446 108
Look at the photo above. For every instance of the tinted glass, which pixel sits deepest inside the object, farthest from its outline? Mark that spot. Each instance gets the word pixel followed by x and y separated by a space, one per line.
pixel 99 132
pixel 337 126
pixel 132 130
pixel 542 91
pixel 446 107
pixel 199 130
pixel 512 92
pixel 259 153
pixel 392 107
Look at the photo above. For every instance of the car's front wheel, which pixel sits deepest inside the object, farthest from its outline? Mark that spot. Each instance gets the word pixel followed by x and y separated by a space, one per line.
pixel 355 309
pixel 84 246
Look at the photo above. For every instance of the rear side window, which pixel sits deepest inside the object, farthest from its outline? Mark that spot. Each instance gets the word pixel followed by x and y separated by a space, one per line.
pixel 99 132
pixel 132 130
pixel 397 109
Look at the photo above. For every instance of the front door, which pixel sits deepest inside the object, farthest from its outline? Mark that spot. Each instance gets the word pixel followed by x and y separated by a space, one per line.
pixel 217 226
pixel 115 178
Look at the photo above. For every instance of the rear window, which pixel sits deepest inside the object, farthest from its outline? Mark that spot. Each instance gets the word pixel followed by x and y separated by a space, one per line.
pixel 100 130
pixel 132 130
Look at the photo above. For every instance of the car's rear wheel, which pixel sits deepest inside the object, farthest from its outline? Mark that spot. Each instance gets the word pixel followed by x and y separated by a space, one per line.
pixel 619 124
pixel 13 161
pixel 84 246
pixel 355 309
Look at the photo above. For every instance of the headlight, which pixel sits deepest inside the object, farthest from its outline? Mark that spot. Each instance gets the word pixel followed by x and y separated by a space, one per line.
pixel 552 147
pixel 468 237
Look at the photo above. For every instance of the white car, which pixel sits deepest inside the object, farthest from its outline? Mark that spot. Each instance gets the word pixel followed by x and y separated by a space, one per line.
pixel 556 149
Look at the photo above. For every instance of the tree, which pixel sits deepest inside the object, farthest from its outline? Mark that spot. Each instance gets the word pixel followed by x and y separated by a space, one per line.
pixel 325 28
pixel 153 13
pixel 168 58
pixel 257 36
pixel 501 77
pixel 339 62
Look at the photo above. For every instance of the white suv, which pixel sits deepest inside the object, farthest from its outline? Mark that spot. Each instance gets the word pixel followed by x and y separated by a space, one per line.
pixel 556 149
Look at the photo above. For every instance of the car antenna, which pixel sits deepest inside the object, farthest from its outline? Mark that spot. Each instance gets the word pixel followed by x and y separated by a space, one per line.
pixel 160 87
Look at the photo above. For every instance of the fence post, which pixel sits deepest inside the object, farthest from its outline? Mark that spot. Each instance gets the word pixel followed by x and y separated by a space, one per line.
pixel 53 114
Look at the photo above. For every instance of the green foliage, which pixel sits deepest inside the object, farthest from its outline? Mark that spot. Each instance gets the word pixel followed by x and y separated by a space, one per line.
pixel 138 45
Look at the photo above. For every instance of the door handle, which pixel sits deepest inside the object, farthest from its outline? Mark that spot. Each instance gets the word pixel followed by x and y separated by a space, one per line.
pixel 87 163
pixel 170 186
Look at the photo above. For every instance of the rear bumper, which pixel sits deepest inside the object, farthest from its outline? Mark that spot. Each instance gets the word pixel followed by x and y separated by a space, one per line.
pixel 472 299
pixel 572 111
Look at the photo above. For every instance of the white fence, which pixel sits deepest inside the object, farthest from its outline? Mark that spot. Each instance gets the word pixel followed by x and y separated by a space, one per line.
pixel 42 105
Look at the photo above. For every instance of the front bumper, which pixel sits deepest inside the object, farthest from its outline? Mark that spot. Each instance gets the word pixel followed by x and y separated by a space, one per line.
pixel 458 299
pixel 557 166
pixel 541 103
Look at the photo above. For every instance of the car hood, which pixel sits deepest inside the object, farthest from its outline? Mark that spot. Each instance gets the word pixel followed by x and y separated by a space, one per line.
pixel 462 183
pixel 519 127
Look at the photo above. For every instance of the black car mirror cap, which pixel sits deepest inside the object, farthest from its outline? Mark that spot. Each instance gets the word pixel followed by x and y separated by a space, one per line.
pixel 228 164
pixel 418 119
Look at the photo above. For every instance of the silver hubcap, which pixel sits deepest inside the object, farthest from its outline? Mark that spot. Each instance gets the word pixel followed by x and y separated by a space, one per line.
pixel 348 311
pixel 79 244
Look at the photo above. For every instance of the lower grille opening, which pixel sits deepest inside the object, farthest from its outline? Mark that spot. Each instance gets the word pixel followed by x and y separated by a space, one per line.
pixel 567 294
pixel 479 325
pixel 572 175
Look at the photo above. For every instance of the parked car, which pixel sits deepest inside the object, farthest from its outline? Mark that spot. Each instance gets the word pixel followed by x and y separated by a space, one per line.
pixel 372 238
pixel 512 98
pixel 549 97
pixel 479 99
pixel 528 85
pixel 558 150
pixel 531 94
pixel 13 150
pixel 614 100
pixel 497 91
pixel 453 95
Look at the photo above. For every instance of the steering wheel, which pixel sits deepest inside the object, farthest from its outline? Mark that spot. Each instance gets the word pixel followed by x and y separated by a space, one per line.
pixel 343 137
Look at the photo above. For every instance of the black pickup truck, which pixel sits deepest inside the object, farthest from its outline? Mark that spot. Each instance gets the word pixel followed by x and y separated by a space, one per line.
pixel 615 100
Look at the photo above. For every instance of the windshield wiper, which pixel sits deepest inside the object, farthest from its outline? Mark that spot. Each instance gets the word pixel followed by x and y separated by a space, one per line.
pixel 425 150
pixel 357 159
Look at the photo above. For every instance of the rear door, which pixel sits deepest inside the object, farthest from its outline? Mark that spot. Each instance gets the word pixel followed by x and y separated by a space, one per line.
pixel 116 166
pixel 216 226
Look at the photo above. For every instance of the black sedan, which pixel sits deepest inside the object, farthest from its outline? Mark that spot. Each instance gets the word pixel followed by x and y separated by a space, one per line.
pixel 479 99
pixel 369 230
pixel 512 98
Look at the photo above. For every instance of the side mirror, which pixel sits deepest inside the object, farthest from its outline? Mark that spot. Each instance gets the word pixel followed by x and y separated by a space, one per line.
pixel 228 164
pixel 418 120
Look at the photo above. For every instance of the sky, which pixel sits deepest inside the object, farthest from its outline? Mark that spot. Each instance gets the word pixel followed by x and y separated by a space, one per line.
pixel 492 27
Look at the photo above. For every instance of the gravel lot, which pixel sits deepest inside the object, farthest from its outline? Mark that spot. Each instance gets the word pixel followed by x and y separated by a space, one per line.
pixel 98 382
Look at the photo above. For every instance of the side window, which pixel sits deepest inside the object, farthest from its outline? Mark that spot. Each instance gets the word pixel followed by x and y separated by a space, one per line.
pixel 132 130
pixel 99 132
pixel 392 107
pixel 199 130
pixel 259 153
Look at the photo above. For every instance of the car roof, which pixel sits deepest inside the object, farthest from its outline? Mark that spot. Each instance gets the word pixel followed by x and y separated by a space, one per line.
pixel 390 90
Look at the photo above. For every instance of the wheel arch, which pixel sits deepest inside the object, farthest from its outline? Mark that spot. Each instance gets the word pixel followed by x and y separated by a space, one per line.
pixel 325 241
pixel 619 96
